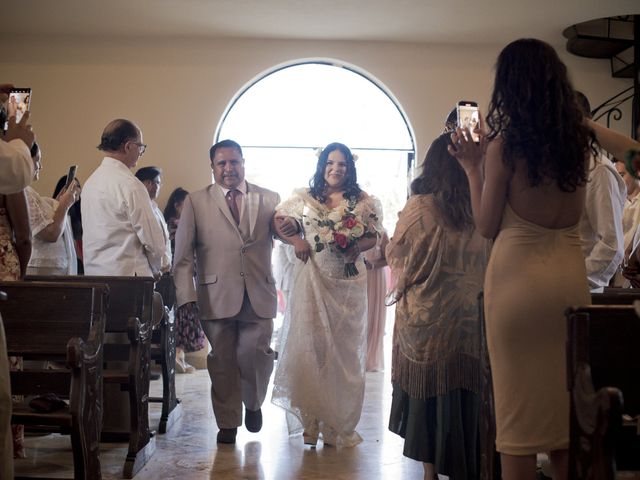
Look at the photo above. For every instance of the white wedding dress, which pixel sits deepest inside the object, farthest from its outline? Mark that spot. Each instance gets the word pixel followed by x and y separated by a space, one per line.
pixel 320 373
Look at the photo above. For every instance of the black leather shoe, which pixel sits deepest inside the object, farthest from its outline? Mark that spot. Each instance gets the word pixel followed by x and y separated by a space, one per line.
pixel 227 435
pixel 253 420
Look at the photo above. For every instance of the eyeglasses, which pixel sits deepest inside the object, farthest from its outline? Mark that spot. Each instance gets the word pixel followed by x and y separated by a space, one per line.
pixel 141 146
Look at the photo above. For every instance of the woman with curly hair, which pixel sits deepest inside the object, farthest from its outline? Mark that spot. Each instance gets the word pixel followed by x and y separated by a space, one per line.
pixel 321 370
pixel 527 180
pixel 438 259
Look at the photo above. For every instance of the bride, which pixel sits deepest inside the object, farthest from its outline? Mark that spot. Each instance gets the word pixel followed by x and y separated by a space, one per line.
pixel 320 374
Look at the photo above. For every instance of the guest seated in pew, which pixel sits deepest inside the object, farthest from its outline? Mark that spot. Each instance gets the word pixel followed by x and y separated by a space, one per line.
pixel 53 252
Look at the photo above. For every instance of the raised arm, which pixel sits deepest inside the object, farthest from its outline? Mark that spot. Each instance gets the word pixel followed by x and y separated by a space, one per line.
pixel 67 197
pixel 613 142
pixel 488 180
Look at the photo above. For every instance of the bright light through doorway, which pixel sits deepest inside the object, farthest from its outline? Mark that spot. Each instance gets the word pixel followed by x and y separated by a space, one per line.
pixel 282 118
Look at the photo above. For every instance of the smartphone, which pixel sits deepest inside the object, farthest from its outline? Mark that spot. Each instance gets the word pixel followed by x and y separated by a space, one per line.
pixel 71 176
pixel 19 102
pixel 468 117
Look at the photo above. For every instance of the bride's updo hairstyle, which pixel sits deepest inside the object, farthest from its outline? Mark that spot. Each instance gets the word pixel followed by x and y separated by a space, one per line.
pixel 534 111
pixel 318 184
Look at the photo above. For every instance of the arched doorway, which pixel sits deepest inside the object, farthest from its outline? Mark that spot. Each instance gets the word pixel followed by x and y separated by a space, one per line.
pixel 282 116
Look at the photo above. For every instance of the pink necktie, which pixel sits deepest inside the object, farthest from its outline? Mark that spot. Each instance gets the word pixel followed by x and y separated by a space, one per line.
pixel 233 205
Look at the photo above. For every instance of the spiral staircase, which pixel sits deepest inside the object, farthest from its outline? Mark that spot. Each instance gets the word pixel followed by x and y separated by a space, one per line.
pixel 616 39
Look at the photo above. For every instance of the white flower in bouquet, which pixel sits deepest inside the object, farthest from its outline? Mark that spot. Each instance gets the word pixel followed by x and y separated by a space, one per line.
pixel 335 216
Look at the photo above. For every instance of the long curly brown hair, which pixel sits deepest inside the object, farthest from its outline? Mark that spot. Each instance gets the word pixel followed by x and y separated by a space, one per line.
pixel 534 110
pixel 443 177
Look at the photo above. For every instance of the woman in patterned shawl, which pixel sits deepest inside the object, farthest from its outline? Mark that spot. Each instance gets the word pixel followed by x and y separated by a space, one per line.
pixel 438 261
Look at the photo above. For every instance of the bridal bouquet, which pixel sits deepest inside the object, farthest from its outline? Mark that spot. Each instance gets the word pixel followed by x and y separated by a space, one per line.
pixel 340 231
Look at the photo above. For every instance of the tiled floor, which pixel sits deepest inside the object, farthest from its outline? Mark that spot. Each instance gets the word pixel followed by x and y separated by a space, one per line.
pixel 189 450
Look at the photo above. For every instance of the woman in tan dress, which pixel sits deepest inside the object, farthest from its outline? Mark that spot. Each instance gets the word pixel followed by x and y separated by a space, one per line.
pixel 527 179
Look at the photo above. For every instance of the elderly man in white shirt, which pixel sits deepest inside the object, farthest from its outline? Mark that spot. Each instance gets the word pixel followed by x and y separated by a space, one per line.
pixel 121 235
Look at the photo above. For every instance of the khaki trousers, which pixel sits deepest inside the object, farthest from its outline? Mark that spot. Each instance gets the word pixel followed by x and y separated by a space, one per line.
pixel 240 363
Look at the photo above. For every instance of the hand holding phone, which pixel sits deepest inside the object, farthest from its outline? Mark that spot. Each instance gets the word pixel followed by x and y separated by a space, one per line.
pixel 468 117
pixel 19 102
pixel 71 175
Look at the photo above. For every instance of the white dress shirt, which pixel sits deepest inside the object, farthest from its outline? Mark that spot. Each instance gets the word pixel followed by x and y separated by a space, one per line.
pixel 166 258
pixel 601 223
pixel 121 235
pixel 16 166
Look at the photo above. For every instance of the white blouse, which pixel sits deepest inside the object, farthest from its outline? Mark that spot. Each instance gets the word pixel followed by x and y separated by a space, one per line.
pixel 60 254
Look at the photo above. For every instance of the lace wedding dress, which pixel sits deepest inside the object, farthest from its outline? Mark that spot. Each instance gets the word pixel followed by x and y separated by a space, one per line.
pixel 321 370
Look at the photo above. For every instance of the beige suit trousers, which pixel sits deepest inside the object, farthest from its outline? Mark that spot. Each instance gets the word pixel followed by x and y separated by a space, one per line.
pixel 240 363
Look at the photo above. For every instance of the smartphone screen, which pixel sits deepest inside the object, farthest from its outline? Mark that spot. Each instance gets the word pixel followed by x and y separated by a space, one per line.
pixel 71 175
pixel 468 117
pixel 19 102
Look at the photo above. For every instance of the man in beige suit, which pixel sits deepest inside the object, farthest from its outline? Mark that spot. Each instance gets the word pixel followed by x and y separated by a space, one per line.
pixel 226 234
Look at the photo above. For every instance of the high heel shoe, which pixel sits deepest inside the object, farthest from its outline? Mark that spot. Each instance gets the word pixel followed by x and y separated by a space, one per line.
pixel 311 440
pixel 310 434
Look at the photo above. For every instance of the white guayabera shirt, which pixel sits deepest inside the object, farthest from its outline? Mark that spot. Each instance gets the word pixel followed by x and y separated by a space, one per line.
pixel 120 233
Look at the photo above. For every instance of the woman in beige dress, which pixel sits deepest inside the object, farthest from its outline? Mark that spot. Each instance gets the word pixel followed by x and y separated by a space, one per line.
pixel 527 180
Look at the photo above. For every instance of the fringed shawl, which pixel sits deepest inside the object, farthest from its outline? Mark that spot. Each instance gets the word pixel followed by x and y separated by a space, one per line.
pixel 439 273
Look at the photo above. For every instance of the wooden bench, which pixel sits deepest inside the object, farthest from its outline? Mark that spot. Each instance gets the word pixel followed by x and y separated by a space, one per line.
pixel 60 322
pixel 616 296
pixel 163 352
pixel 130 313
pixel 603 368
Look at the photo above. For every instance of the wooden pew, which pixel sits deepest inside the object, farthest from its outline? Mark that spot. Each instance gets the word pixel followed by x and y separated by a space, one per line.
pixel 603 368
pixel 163 352
pixel 60 322
pixel 162 349
pixel 616 296
pixel 130 312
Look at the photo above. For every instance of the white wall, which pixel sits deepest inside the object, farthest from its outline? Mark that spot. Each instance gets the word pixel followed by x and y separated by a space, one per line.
pixel 177 90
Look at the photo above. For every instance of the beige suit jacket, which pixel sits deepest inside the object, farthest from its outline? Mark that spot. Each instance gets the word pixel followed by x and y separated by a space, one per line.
pixel 227 258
